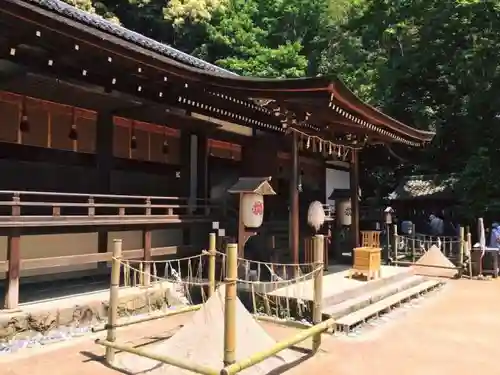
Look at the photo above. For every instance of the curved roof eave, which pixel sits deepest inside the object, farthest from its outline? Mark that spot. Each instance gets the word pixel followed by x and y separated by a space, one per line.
pixel 97 22
pixel 193 69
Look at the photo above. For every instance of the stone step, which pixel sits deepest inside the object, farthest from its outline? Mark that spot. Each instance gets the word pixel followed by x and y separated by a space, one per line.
pixel 370 286
pixel 346 322
pixel 357 303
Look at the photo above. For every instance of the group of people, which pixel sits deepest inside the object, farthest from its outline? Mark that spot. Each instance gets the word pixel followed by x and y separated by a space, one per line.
pixel 436 228
pixel 495 236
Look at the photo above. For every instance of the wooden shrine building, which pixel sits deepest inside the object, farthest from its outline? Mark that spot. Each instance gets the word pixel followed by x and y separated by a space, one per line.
pixel 89 107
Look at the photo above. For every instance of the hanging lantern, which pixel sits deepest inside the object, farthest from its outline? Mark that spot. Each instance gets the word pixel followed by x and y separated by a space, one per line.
pixel 24 125
pixel 164 147
pixel 73 132
pixel 133 138
pixel 252 206
pixel 344 213
pixel 133 142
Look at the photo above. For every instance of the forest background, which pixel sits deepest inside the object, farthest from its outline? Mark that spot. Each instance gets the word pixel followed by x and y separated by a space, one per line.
pixel 433 64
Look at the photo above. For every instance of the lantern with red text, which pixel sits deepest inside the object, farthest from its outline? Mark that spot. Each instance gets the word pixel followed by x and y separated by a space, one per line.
pixel 252 209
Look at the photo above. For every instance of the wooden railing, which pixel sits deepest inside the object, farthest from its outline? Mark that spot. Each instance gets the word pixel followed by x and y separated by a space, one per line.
pixel 33 212
pixel 32 208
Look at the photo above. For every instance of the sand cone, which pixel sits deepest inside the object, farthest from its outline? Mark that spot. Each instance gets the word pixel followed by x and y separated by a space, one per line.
pixel 434 257
pixel 202 341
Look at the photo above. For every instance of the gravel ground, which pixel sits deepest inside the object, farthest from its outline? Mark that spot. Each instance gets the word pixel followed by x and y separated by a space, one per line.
pixel 453 332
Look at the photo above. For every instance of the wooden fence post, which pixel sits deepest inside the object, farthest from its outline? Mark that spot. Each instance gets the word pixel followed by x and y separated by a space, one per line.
pixel 146 244
pixel 113 299
pixel 395 244
pixel 469 248
pixel 13 270
pixel 319 251
pixel 212 251
pixel 230 304
pixel 462 250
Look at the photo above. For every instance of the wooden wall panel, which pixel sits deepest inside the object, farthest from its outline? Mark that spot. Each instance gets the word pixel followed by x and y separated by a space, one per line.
pixel 142 150
pixel 224 150
pixel 86 134
pixel 9 121
pixel 60 127
pixel 174 151
pixel 38 124
pixel 121 142
pixel 156 146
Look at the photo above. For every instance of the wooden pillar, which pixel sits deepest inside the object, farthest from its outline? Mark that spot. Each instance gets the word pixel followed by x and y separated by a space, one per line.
pixel 294 201
pixel 104 164
pixel 146 244
pixel 185 183
pixel 202 167
pixel 13 270
pixel 354 185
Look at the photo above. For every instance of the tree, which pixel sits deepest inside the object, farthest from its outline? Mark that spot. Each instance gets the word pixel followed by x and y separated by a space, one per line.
pixel 432 64
pixel 94 7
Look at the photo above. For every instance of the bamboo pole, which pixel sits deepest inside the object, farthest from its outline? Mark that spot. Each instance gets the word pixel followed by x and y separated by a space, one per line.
pixel 406 263
pixel 281 322
pixel 230 304
pixel 319 244
pixel 211 264
pixel 113 298
pixel 149 318
pixel 276 348
pixel 413 235
pixel 190 366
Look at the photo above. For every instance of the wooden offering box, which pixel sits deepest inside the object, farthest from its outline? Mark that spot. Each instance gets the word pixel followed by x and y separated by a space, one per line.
pixel 366 262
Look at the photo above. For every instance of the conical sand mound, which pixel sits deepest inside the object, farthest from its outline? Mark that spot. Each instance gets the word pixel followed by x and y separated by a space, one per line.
pixel 434 257
pixel 201 341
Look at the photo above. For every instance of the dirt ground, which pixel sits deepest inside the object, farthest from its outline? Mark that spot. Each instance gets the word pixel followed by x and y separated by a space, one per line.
pixel 455 331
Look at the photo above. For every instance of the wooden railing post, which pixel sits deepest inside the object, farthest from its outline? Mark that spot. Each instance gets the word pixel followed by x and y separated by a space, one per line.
pixel 13 270
pixel 91 208
pixel 146 244
pixel 212 251
pixel 319 250
pixel 113 299
pixel 230 304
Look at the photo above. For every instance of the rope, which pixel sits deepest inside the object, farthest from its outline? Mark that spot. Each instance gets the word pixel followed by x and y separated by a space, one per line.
pixel 203 253
pixel 176 276
pixel 268 263
pixel 279 282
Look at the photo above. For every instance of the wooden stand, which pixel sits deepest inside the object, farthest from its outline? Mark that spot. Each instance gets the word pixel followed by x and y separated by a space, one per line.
pixel 366 262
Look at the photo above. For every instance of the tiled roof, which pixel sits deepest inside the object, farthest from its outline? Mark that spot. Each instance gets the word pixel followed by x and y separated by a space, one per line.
pixel 103 25
pixel 419 187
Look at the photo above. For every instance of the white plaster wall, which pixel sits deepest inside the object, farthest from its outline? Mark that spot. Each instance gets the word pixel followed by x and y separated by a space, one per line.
pixel 335 179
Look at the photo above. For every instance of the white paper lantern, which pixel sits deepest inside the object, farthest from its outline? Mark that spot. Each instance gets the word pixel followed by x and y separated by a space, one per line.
pixel 252 206
pixel 344 212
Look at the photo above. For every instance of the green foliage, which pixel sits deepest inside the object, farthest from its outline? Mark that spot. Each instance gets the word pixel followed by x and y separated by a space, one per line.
pixel 432 64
